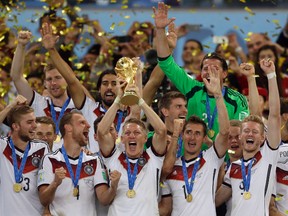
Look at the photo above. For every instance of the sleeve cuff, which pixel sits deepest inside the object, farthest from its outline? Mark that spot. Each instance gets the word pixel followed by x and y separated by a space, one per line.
pixel 163 59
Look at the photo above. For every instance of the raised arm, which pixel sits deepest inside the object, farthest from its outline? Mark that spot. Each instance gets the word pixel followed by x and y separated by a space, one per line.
pixel 274 118
pixel 18 100
pixel 161 21
pixel 105 139
pixel 248 70
pixel 170 156
pixel 159 137
pixel 75 87
pixel 214 86
pixel 157 74
pixel 17 67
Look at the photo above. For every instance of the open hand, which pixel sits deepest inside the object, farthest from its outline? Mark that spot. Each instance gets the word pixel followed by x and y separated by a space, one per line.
pixel 48 39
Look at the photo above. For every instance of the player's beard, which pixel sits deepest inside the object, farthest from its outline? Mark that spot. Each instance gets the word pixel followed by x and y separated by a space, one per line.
pixel 108 103
pixel 25 138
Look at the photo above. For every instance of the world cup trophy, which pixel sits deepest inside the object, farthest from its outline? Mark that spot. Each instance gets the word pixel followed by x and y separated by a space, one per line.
pixel 126 69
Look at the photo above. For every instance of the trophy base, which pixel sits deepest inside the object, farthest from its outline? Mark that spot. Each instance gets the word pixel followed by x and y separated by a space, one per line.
pixel 129 99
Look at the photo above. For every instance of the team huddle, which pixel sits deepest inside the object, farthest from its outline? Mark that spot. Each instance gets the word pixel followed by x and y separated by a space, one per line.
pixel 67 154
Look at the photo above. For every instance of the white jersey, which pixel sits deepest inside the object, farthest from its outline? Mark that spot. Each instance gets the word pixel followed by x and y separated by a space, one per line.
pixel 146 185
pixel 92 174
pixel 26 202
pixel 204 187
pixel 282 179
pixel 91 111
pixel 263 174
pixel 42 107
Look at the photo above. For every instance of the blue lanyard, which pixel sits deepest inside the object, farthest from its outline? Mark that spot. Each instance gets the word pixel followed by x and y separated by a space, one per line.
pixel 209 118
pixel 246 178
pixel 120 118
pixel 228 163
pixel 18 172
pixel 53 113
pixel 131 176
pixel 195 169
pixel 78 169
pixel 179 150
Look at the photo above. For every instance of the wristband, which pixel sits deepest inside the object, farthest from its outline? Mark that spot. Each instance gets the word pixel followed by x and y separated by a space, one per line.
pixel 271 75
pixel 117 100
pixel 141 102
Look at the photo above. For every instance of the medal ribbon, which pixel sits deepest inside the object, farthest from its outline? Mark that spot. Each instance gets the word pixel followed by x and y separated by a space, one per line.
pixel 246 178
pixel 228 163
pixel 131 176
pixel 78 169
pixel 120 117
pixel 53 113
pixel 195 169
pixel 210 119
pixel 18 172
pixel 179 150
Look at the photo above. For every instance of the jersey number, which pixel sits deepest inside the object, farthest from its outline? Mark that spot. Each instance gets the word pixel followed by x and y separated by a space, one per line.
pixel 26 181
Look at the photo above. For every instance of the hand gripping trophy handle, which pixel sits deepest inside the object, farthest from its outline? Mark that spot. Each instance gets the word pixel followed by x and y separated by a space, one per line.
pixel 126 69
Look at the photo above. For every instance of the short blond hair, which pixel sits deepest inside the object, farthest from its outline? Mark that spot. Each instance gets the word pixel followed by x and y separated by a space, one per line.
pixel 256 119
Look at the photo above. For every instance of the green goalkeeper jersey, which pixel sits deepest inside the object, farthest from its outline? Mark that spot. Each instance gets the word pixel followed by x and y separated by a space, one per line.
pixel 196 95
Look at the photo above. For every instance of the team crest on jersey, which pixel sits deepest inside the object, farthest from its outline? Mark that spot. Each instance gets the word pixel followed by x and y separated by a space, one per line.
pixel 242 115
pixel 88 169
pixel 141 161
pixel 36 161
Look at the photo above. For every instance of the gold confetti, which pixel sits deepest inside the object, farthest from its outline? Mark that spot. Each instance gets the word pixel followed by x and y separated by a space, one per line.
pixel 243 1
pixel 46 8
pixel 139 32
pixel 236 27
pixel 127 17
pixel 101 33
pixel 121 23
pixel 79 65
pixel 77 9
pixel 124 7
pixel 227 18
pixel 206 46
pixel 112 26
pixel 249 10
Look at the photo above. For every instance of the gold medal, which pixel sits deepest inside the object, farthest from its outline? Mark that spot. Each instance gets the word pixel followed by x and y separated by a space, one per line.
pixel 17 187
pixel 247 195
pixel 131 193
pixel 211 133
pixel 189 198
pixel 58 138
pixel 75 192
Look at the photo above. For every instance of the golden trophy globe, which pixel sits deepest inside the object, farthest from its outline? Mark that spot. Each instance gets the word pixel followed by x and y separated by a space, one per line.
pixel 126 69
